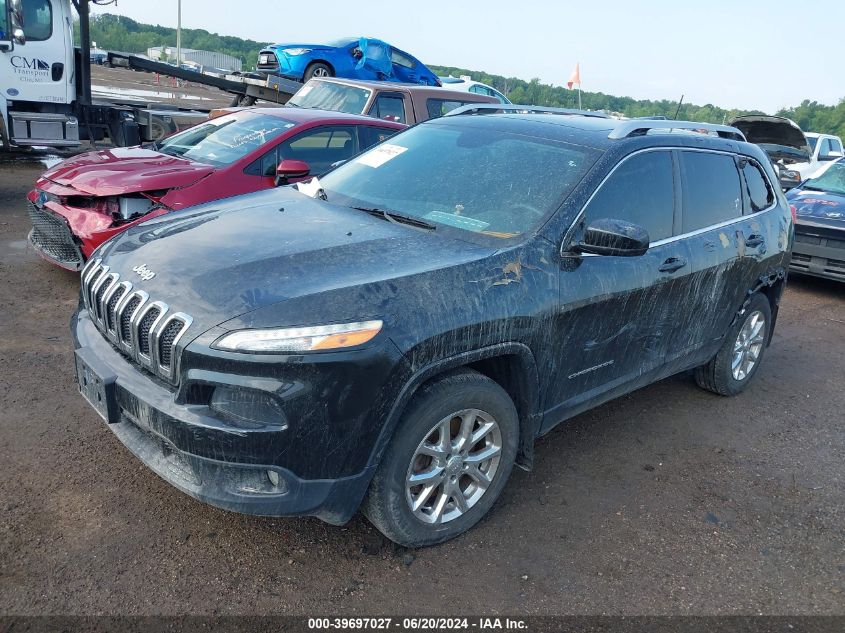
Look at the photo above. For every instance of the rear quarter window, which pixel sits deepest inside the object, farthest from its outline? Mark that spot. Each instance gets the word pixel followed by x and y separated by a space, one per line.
pixel 711 190
pixel 760 194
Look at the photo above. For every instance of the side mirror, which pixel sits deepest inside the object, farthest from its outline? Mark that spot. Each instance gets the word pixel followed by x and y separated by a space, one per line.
pixel 16 21
pixel 290 168
pixel 613 237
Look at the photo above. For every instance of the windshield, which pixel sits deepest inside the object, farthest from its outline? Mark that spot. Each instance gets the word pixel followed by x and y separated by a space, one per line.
pixel 473 178
pixel 330 96
pixel 226 139
pixel 832 180
pixel 811 141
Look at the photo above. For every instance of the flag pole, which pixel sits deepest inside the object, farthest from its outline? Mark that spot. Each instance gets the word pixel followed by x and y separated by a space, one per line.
pixel 579 96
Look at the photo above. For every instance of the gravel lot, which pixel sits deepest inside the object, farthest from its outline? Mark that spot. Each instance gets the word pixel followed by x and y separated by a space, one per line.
pixel 669 500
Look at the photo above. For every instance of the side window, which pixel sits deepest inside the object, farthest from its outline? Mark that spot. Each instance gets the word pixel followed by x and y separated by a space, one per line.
pixel 835 145
pixel 389 107
pixel 640 191
pixel 502 98
pixel 401 59
pixel 319 147
pixel 439 107
pixel 370 136
pixel 479 90
pixel 37 20
pixel 5 35
pixel 711 192
pixel 825 147
pixel 760 195
pixel 269 162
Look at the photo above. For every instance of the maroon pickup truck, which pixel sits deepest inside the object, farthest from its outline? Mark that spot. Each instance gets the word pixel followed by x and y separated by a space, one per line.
pixel 403 103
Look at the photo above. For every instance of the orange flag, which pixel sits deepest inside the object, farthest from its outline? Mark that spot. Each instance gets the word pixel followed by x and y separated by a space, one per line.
pixel 575 77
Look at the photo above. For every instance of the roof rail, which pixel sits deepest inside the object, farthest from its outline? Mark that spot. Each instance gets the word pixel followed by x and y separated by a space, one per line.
pixel 640 127
pixel 504 108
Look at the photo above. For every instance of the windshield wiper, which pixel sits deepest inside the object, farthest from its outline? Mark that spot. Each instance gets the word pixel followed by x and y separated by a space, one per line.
pixel 397 218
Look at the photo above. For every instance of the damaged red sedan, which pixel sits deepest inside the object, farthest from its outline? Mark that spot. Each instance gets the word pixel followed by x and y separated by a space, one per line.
pixel 85 200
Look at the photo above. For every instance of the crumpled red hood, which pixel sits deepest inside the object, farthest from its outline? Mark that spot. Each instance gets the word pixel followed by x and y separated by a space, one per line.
pixel 122 170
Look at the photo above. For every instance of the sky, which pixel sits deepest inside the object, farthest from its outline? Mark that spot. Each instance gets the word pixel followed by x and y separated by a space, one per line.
pixel 764 54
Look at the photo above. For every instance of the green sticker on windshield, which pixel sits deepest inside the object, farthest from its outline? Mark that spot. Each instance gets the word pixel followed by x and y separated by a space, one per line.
pixel 460 221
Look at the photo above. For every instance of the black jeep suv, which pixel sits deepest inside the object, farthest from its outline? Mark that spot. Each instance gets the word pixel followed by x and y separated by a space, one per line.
pixel 396 336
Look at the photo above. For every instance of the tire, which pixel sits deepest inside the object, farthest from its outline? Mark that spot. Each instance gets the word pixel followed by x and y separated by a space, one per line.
pixel 160 129
pixel 720 375
pixel 317 69
pixel 464 399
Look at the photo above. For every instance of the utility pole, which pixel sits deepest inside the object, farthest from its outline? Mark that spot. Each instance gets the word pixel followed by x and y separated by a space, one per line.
pixel 179 34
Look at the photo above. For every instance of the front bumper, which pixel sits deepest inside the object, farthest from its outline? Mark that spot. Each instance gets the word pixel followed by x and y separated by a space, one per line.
pixel 53 239
pixel 819 256
pixel 213 461
pixel 286 66
pixel 66 236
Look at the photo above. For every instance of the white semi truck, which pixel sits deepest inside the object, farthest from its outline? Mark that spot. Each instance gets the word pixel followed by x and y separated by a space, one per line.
pixel 45 83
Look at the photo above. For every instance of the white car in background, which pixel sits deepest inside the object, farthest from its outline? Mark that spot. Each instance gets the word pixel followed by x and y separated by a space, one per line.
pixel 825 148
pixel 464 83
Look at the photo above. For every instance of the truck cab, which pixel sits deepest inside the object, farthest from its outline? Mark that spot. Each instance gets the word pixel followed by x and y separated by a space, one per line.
pixel 825 148
pixel 37 73
pixel 45 83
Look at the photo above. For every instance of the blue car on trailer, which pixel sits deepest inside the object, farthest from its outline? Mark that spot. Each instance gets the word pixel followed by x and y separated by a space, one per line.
pixel 350 57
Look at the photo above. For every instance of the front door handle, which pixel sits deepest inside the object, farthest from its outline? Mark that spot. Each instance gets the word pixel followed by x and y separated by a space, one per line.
pixel 753 241
pixel 672 264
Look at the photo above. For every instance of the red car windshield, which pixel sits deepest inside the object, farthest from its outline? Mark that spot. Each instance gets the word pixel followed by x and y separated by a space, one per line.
pixel 227 139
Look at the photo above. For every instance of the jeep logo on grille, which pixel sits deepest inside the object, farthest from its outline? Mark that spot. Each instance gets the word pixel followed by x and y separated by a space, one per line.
pixel 145 273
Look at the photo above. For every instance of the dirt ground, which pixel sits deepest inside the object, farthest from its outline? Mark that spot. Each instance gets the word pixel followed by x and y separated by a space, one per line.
pixel 669 500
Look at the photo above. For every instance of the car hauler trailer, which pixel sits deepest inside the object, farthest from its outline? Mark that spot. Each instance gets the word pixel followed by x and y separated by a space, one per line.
pixel 45 83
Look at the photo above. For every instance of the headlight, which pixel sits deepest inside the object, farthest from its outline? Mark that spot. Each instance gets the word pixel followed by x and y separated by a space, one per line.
pixel 300 339
pixel 296 51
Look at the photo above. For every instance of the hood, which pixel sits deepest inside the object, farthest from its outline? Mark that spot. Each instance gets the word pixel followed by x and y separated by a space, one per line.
pixel 818 207
pixel 125 170
pixel 224 259
pixel 780 138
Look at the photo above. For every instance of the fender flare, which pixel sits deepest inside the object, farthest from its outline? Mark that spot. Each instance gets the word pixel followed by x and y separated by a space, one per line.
pixel 768 280
pixel 529 408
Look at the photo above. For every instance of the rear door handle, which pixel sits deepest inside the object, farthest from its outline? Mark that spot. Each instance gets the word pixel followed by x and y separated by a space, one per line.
pixel 672 264
pixel 753 241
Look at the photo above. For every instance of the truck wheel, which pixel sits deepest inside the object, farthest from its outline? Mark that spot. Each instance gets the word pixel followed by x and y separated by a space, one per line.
pixel 449 460
pixel 730 371
pixel 317 69
pixel 160 129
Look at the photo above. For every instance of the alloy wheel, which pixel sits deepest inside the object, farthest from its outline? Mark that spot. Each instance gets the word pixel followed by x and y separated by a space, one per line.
pixel 454 466
pixel 748 345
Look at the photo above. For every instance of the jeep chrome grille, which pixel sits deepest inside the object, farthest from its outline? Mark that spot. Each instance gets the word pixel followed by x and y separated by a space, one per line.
pixel 146 331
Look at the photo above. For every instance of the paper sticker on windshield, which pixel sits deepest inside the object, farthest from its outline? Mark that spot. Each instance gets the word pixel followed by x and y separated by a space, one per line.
pixel 381 154
pixel 304 90
pixel 310 187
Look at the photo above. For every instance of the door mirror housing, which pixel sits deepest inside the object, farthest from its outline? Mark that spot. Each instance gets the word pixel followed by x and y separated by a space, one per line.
pixel 290 168
pixel 15 21
pixel 613 237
